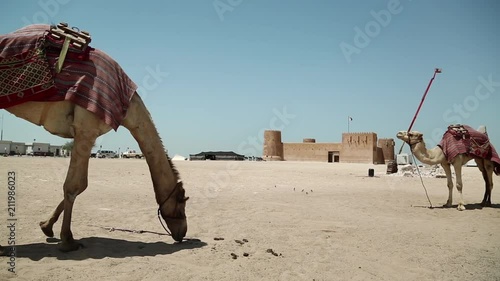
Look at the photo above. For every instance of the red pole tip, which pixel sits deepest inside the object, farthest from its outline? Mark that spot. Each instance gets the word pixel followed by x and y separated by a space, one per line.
pixel 438 70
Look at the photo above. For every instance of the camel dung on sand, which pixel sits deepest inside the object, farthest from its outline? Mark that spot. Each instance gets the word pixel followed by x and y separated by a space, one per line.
pixel 109 100
pixel 459 145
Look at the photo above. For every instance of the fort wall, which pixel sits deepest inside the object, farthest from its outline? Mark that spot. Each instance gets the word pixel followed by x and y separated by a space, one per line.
pixel 310 151
pixel 359 148
pixel 354 148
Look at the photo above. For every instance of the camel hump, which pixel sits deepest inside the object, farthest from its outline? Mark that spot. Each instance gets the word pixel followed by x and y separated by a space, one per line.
pixel 482 129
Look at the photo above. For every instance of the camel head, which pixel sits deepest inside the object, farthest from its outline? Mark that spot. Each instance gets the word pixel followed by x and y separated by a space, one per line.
pixel 174 212
pixel 410 138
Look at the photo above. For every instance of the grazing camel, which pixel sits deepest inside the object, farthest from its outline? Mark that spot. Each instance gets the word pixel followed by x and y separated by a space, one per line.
pixel 67 119
pixel 437 156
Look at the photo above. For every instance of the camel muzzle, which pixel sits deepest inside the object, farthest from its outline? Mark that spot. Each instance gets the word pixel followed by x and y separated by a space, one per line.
pixel 402 135
pixel 178 228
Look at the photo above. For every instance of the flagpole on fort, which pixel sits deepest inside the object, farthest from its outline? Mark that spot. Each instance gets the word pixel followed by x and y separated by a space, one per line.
pixel 349 119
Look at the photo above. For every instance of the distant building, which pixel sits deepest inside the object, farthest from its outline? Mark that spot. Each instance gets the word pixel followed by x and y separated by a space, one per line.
pixel 216 155
pixel 12 148
pixel 18 148
pixel 354 148
pixel 36 149
pixel 56 150
pixel 5 147
pixel 41 149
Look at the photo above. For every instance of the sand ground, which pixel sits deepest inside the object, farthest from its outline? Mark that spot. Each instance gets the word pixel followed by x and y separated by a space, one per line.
pixel 322 221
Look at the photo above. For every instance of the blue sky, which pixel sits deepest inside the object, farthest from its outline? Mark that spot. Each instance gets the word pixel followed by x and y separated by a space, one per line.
pixel 228 69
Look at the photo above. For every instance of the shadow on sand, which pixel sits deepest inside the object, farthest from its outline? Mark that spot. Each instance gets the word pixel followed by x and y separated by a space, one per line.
pixel 478 206
pixel 100 247
pixel 475 206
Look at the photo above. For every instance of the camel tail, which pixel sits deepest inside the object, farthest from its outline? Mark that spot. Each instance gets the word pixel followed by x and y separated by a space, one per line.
pixel 497 169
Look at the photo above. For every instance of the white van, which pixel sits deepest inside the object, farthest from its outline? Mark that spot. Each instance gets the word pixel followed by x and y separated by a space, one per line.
pixel 105 154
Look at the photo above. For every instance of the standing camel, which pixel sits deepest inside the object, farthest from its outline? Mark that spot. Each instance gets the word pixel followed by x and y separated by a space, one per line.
pixel 487 165
pixel 69 117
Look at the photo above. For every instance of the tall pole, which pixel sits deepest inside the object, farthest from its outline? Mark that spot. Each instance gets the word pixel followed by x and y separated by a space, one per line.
pixel 436 71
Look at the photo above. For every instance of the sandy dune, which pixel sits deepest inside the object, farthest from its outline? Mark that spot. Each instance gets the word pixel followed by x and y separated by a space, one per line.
pixel 295 220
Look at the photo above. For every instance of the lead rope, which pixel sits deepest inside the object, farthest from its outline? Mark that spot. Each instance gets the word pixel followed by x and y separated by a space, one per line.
pixel 160 205
pixel 422 181
pixel 161 222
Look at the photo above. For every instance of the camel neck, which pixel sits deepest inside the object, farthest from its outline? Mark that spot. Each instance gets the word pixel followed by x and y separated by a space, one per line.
pixel 162 174
pixel 424 155
pixel 141 126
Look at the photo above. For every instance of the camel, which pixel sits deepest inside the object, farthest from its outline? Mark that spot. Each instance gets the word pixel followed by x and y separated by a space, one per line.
pixel 437 156
pixel 69 120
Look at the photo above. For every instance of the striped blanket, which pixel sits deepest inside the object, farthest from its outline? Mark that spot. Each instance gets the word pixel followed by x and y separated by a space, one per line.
pixel 465 140
pixel 92 80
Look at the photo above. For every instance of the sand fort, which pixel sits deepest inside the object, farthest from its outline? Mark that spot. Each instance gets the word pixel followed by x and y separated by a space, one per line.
pixel 354 148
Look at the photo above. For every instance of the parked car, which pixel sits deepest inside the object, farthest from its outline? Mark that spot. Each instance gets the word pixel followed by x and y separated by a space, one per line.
pixel 105 154
pixel 132 154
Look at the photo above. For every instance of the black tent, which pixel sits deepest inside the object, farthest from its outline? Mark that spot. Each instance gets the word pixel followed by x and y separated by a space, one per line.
pixel 216 155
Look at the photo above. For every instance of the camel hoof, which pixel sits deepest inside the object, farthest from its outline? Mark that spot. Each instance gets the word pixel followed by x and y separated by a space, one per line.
pixel 461 208
pixel 70 246
pixel 447 205
pixel 47 229
pixel 486 204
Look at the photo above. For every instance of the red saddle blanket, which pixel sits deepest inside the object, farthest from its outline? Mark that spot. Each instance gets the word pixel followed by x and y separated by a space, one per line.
pixel 92 80
pixel 465 140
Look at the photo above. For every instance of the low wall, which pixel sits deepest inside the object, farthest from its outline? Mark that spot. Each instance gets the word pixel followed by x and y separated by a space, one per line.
pixel 309 151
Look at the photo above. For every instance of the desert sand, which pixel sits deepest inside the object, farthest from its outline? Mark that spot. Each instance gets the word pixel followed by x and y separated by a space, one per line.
pixel 278 221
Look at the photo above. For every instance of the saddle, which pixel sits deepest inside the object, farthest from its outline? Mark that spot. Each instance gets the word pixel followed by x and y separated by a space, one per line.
pixel 458 131
pixel 477 143
pixel 28 76
pixel 66 39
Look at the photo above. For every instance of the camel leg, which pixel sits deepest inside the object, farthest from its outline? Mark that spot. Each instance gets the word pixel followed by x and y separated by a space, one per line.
pixel 480 166
pixel 85 129
pixel 447 171
pixel 76 182
pixel 47 225
pixel 490 180
pixel 490 170
pixel 487 192
pixel 486 168
pixel 458 174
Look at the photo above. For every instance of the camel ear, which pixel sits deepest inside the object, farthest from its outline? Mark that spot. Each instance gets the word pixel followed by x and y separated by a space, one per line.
pixel 185 199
